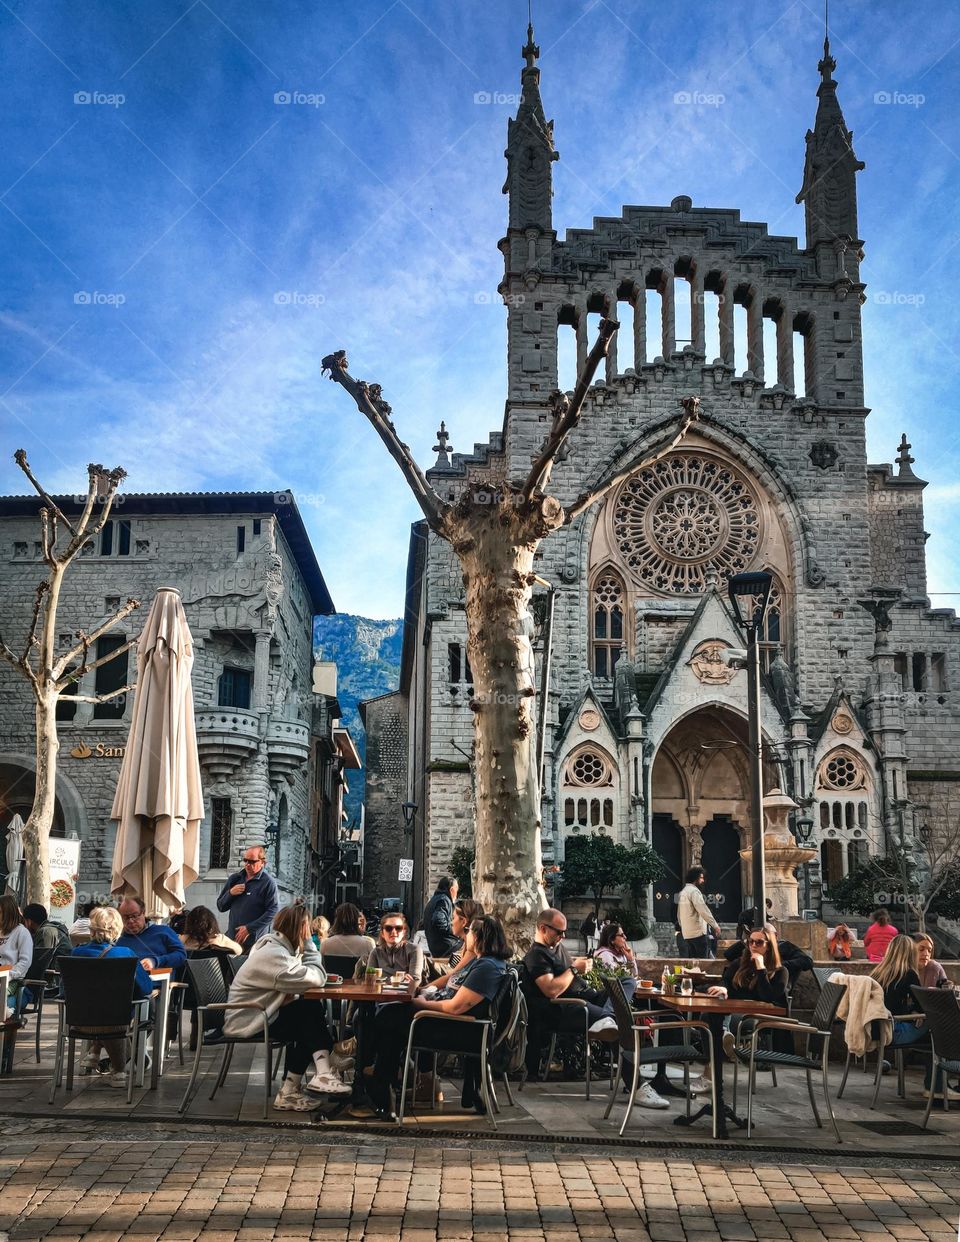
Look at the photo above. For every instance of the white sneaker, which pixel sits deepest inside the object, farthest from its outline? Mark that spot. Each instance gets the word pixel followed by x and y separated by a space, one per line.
pixel 647 1098
pixel 116 1078
pixel 327 1084
pixel 89 1063
pixel 603 1024
pixel 700 1086
pixel 293 1101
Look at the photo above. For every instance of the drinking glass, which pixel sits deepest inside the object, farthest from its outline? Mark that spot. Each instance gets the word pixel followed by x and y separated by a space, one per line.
pixel 686 986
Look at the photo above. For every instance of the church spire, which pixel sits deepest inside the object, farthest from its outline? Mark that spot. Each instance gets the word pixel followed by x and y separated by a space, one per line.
pixel 530 151
pixel 829 190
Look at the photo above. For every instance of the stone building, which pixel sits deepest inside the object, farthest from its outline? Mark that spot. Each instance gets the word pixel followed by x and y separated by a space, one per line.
pixel 646 724
pixel 272 751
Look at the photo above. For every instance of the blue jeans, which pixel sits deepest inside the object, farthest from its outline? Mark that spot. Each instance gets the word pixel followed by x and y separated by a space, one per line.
pixel 914 1033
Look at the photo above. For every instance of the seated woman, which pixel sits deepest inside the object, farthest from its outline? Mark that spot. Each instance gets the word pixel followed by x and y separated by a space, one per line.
pixel 896 974
pixel 201 933
pixel 757 975
pixel 319 930
pixel 468 992
pixel 465 910
pixel 346 937
pixel 932 974
pixel 393 953
pixel 840 943
pixel 281 965
pixel 106 928
pixel 613 952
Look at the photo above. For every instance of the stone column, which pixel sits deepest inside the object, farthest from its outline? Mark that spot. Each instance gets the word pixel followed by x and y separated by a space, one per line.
pixel 639 327
pixel 669 317
pixel 581 340
pixel 697 332
pixel 785 375
pixel 755 335
pixel 726 325
pixel 261 672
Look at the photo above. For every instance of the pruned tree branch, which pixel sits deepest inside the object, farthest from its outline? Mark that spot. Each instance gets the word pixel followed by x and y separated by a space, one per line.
pixel 71 676
pixel 20 457
pixel 82 648
pixel 377 412
pixel 84 531
pixel 43 589
pixel 567 413
pixel 583 502
pixel 95 698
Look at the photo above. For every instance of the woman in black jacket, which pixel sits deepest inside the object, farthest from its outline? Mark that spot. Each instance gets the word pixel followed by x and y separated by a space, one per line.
pixel 757 975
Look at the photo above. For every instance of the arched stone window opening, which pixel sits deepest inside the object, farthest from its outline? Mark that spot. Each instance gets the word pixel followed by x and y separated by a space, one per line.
pixel 842 788
pixel 589 791
pixel 567 319
pixel 630 340
pixel 656 299
pixel 803 355
pixel 712 299
pixel 608 632
pixel 777 344
pixel 773 639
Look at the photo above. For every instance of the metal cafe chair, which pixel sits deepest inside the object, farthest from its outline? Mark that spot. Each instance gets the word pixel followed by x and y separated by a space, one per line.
pixel 942 1011
pixel 98 994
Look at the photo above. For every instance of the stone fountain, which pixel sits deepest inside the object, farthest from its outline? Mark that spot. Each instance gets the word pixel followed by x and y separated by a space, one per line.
pixel 781 855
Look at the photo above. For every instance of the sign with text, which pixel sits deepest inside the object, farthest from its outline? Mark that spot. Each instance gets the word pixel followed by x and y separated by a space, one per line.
pixel 64 865
pixel 406 870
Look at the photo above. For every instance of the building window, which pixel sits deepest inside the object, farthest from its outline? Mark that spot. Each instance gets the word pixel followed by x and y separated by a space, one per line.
pixel 110 677
pixel 256 527
pixel 66 710
pixel 234 688
pixel 459 673
pixel 221 832
pixel 606 629
pixel 106 540
pixel 241 539
pixel 123 537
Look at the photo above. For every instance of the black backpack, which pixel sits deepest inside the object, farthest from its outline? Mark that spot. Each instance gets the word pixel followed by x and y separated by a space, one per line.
pixel 508 1015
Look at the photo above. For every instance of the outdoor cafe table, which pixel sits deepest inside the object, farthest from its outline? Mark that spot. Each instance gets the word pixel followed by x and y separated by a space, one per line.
pixel 713 1010
pixel 362 993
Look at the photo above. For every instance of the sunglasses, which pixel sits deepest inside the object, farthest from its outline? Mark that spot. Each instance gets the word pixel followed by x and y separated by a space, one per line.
pixel 250 861
pixel 762 943
pixel 558 930
pixel 394 927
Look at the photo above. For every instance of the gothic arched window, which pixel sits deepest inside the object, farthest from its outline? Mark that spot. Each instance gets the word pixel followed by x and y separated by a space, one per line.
pixel 607 631
pixel 773 640
pixel 843 792
pixel 589 787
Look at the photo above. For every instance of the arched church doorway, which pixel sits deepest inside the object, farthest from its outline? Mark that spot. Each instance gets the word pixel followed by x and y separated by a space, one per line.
pixel 17 784
pixel 720 858
pixel 701 782
pixel 668 842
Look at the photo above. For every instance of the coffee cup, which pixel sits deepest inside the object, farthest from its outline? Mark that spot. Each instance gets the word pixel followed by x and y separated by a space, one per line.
pixel 646 983
pixel 377 973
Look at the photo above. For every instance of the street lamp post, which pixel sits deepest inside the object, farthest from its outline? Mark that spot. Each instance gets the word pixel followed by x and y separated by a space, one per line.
pixel 804 825
pixel 749 595
pixel 409 811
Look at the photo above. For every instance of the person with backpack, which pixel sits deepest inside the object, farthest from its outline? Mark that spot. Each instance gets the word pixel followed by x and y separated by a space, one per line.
pixel 438 919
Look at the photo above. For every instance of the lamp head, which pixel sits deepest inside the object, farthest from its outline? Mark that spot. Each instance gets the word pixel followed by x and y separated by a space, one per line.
pixel 408 810
pixel 749 595
pixel 804 825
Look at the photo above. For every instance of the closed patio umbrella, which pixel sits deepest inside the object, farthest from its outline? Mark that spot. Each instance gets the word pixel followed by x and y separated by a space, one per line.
pixel 14 855
pixel 158 805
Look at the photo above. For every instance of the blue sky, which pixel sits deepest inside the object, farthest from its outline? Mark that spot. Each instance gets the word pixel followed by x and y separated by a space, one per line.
pixel 181 250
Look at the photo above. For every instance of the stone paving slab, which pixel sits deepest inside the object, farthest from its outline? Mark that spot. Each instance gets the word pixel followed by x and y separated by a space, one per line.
pixel 82 1182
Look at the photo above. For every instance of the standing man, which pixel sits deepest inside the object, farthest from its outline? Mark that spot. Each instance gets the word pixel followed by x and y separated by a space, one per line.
pixel 153 943
pixel 438 919
pixel 694 915
pixel 251 897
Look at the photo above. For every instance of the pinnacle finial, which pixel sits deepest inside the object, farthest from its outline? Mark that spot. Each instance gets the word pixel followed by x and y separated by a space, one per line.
pixel 904 460
pixel 531 51
pixel 442 447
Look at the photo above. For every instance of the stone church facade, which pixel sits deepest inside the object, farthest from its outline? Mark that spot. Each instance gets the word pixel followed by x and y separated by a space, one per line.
pixel 645 731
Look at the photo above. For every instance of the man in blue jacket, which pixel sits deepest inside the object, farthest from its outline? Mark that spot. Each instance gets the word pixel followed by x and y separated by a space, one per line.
pixel 251 898
pixel 154 943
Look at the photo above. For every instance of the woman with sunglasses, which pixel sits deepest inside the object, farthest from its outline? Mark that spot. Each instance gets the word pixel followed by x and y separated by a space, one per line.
pixel 394 954
pixel 465 910
pixel 757 975
pixel 613 952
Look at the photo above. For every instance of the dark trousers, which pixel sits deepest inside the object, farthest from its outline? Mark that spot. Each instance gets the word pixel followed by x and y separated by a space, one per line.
pixel 547 1020
pixel 301 1025
pixel 392 1025
pixel 699 946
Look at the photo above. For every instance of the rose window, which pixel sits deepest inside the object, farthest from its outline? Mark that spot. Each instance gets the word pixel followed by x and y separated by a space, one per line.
pixel 683 516
pixel 842 771
pixel 589 768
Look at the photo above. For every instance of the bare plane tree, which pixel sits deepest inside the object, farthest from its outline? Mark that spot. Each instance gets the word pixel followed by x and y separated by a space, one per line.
pixel 52 676
pixel 495 536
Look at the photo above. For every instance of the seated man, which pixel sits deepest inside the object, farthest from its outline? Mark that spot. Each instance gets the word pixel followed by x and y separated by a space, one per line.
pixel 550 974
pixel 48 937
pixel 153 943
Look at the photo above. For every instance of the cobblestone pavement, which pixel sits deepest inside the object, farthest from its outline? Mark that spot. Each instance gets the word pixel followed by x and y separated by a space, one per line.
pixel 98 1185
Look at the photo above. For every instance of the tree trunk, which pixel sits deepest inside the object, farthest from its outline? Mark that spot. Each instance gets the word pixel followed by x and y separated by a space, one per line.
pixel 36 831
pixel 495 536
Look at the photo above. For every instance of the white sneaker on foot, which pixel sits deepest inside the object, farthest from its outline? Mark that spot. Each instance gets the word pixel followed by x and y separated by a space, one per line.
pixel 603 1024
pixel 293 1101
pixel 116 1078
pixel 647 1098
pixel 729 1046
pixel 700 1086
pixel 327 1084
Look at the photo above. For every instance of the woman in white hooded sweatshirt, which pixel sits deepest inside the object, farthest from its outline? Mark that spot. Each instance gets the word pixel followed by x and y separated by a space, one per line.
pixel 282 965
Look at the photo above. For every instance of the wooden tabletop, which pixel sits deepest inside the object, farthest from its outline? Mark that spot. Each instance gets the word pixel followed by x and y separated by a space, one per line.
pixel 354 990
pixel 698 1003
